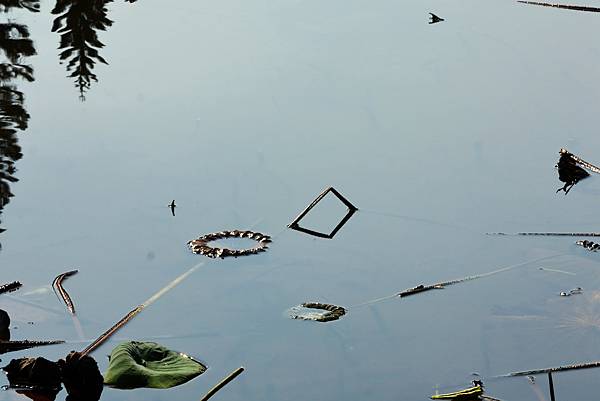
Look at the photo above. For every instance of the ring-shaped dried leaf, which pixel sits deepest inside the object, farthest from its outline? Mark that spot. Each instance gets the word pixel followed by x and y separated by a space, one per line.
pixel 331 312
pixel 200 245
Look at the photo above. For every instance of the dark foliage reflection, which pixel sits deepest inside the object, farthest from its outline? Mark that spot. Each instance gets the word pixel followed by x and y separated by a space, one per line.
pixel 78 23
pixel 15 45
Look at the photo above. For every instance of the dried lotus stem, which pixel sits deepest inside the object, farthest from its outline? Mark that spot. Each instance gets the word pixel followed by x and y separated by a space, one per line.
pixel 222 383
pixel 565 6
pixel 60 291
pixel 106 335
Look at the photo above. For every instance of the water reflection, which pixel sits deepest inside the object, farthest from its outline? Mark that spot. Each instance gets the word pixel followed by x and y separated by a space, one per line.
pixel 77 23
pixel 16 45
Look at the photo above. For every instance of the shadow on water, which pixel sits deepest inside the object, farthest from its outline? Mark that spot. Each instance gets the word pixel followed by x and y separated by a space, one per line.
pixel 78 23
pixel 16 46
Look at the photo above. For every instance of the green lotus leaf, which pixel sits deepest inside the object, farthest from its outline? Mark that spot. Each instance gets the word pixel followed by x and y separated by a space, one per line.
pixel 146 364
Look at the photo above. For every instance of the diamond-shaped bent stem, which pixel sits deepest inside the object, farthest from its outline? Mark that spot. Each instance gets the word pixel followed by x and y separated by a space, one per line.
pixel 294 225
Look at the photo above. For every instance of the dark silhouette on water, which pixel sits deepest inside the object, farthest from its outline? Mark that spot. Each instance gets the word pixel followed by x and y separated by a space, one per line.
pixel 570 170
pixel 31 5
pixel 434 19
pixel 78 23
pixel 15 45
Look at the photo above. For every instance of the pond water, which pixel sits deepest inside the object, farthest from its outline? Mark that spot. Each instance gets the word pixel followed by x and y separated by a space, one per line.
pixel 243 112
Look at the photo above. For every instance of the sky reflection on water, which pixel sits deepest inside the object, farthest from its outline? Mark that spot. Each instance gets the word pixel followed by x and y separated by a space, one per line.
pixel 243 112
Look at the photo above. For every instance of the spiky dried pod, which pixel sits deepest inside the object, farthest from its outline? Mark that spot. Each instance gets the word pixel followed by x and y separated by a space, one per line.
pixel 200 245
pixel 10 287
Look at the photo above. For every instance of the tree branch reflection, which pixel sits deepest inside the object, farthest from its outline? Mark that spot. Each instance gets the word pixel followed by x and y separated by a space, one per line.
pixel 77 23
pixel 15 45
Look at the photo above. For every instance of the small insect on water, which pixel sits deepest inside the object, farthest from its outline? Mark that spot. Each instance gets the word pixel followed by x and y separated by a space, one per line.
pixel 434 19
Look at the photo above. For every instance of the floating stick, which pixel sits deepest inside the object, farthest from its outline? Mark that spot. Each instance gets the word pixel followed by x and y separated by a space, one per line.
pixel 550 234
pixel 60 291
pixel 222 383
pixel 108 333
pixel 589 365
pixel 104 336
pixel 568 7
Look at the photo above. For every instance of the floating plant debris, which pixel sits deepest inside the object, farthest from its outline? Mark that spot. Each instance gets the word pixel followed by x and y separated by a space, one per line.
pixel 570 170
pixel 565 6
pixel 137 364
pixel 10 287
pixel 574 291
pixel 418 289
pixel 471 393
pixel 434 19
pixel 438 286
pixel 326 312
pixel 200 245
pixel 333 312
pixel 60 291
pixel 295 225
pixel 11 346
pixel 222 383
pixel 589 245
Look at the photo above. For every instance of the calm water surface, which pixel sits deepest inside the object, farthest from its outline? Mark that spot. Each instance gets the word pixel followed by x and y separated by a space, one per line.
pixel 243 112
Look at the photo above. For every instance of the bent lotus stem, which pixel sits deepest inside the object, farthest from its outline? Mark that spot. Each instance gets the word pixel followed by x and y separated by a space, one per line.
pixel 60 291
